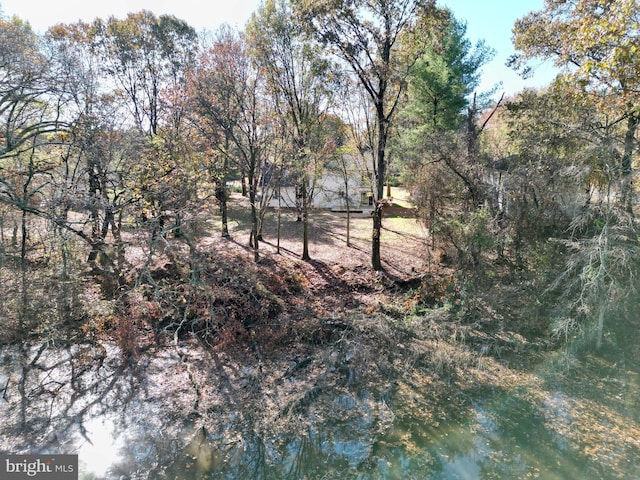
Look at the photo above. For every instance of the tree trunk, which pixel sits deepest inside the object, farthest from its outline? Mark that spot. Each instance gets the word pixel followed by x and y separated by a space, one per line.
pixel 348 226
pixel 23 241
pixel 24 284
pixel 244 185
pixel 348 206
pixel 279 220
pixel 224 194
pixel 626 162
pixel 305 220
pixel 225 220
pixel 376 260
pixel 254 242
pixel 101 235
pixel 600 325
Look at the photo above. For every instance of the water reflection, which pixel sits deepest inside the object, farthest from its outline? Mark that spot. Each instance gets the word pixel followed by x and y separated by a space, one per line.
pixel 100 449
pixel 147 420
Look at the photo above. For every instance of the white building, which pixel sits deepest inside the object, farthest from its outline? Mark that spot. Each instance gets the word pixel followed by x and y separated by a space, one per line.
pixel 330 190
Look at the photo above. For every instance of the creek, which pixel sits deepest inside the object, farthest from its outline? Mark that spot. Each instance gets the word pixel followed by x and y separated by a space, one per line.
pixel 163 416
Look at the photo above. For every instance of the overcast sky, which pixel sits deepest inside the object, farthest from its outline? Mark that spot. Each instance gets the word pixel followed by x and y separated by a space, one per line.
pixel 490 20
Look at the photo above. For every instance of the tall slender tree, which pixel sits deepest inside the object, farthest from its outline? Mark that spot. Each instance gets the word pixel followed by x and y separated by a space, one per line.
pixel 300 79
pixel 31 111
pixel 228 97
pixel 147 57
pixel 368 36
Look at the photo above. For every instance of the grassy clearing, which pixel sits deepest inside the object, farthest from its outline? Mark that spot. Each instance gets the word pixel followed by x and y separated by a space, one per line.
pixel 404 238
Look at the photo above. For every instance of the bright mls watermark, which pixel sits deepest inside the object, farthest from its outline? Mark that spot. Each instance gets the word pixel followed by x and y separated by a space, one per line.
pixel 50 467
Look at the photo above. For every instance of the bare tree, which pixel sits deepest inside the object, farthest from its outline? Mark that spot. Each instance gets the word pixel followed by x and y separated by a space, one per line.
pixel 228 95
pixel 368 36
pixel 301 80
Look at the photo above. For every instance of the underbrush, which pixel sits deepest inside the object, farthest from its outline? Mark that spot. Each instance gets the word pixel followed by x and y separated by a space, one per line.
pixel 227 301
pixel 213 292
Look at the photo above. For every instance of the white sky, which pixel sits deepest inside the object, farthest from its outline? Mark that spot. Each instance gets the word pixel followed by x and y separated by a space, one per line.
pixel 490 20
pixel 198 13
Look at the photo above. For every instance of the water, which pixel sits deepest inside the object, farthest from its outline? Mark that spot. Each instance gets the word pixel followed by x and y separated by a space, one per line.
pixel 166 416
